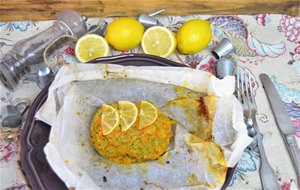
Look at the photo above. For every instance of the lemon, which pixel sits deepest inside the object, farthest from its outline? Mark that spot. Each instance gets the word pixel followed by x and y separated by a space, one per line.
pixel 148 114
pixel 91 46
pixel 124 33
pixel 193 36
pixel 109 119
pixel 128 114
pixel 159 41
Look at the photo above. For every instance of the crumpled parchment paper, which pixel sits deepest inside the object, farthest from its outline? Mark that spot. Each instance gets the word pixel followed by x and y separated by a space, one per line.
pixel 79 90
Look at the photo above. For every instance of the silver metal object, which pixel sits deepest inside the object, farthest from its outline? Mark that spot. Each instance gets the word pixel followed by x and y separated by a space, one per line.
pixel 45 76
pixel 251 130
pixel 27 55
pixel 99 29
pixel 246 97
pixel 11 117
pixel 148 20
pixel 223 49
pixel 42 78
pixel 283 122
pixel 225 67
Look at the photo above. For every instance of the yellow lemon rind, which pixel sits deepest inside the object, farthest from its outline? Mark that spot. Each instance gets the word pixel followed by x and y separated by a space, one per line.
pixel 123 115
pixel 153 119
pixel 104 123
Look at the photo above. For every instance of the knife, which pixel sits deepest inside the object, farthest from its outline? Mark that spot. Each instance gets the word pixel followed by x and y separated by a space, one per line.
pixel 283 122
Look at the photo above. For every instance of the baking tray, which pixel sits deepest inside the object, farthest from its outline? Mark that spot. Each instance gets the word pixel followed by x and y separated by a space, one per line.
pixel 35 134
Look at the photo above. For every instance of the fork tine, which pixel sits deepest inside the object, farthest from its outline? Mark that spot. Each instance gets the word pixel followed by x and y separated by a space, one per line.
pixel 251 90
pixel 247 82
pixel 238 78
pixel 242 85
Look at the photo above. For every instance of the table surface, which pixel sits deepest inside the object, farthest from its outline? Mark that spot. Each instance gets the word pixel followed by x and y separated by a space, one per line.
pixel 264 44
pixel 17 10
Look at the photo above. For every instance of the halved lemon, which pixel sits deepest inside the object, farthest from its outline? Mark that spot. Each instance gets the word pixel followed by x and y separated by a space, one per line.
pixel 159 41
pixel 109 119
pixel 148 114
pixel 128 114
pixel 91 46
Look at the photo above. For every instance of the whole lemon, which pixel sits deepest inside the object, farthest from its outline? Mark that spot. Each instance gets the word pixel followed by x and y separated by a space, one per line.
pixel 193 36
pixel 124 33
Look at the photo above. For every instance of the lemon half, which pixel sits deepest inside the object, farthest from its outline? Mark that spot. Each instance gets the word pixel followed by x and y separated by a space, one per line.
pixel 91 46
pixel 159 41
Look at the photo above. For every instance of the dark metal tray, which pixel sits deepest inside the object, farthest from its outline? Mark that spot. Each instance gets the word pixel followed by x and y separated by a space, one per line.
pixel 35 134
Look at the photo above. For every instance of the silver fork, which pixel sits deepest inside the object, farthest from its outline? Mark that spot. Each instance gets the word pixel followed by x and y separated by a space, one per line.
pixel 245 95
pixel 246 109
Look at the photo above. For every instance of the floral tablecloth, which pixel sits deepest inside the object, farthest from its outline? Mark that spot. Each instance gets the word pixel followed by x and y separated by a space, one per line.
pixel 264 44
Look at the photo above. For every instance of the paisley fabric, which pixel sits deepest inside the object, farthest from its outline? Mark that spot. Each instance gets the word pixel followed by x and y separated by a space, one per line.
pixel 14 26
pixel 265 43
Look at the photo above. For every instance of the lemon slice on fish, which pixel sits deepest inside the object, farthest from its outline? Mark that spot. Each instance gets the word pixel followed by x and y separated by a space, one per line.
pixel 128 114
pixel 109 119
pixel 148 114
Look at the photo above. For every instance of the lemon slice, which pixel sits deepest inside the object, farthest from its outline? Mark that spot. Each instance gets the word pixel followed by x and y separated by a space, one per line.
pixel 128 114
pixel 91 46
pixel 148 114
pixel 109 119
pixel 159 40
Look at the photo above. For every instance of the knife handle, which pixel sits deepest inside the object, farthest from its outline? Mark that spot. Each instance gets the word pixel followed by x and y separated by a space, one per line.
pixel 294 154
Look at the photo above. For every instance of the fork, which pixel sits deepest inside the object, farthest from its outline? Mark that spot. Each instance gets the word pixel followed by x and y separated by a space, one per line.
pixel 245 95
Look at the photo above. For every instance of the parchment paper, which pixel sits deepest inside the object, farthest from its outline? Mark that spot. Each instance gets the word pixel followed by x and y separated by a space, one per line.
pixel 79 90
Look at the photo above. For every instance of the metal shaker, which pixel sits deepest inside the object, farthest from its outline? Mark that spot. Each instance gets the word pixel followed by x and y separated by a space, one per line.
pixel 225 67
pixel 11 117
pixel 148 20
pixel 223 49
pixel 43 77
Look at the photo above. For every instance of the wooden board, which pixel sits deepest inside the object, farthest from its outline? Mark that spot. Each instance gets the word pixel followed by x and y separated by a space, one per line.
pixel 14 10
